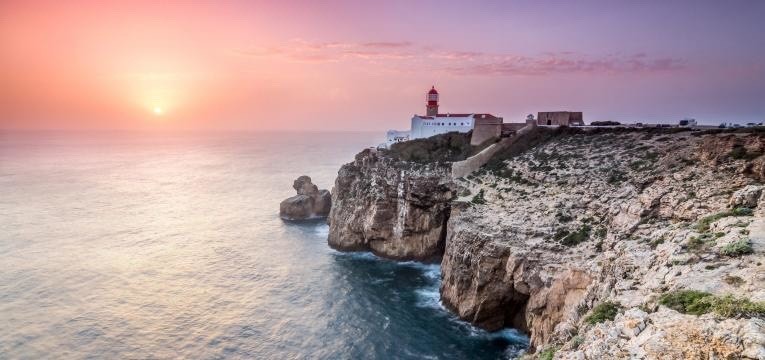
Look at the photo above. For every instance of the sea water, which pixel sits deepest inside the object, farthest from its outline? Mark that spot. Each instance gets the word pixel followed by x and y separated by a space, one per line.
pixel 166 246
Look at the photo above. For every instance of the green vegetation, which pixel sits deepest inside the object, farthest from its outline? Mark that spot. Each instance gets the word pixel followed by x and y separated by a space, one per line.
pixel 507 173
pixel 701 241
pixel 733 280
pixel 478 198
pixel 699 302
pixel 616 177
pixel 739 152
pixel 656 242
pixel 704 223
pixel 560 234
pixel 686 301
pixel 563 217
pixel 547 354
pixel 599 246
pixel 577 237
pixel 640 165
pixel 729 306
pixel 603 312
pixel 742 211
pixel 651 156
pixel 737 248
pixel 451 146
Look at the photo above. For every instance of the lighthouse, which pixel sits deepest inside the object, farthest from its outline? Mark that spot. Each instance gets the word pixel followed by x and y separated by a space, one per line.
pixel 484 126
pixel 431 109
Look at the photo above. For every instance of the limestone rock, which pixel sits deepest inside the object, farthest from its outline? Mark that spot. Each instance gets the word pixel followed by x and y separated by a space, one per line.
pixel 309 203
pixel 572 222
pixel 393 208
pixel 746 197
pixel 667 334
pixel 572 226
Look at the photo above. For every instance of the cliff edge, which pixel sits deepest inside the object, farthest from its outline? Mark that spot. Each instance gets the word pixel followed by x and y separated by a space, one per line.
pixel 611 243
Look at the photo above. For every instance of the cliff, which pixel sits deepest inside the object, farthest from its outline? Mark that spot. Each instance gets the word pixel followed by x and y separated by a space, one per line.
pixel 600 244
pixel 394 208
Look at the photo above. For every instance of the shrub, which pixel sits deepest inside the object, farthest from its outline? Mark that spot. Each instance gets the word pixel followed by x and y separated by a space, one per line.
pixel 742 211
pixel 701 241
pixel 605 123
pixel 740 153
pixel 733 280
pixel 616 177
pixel 705 222
pixel 577 237
pixel 603 312
pixel 563 217
pixel 478 198
pixel 451 146
pixel 699 302
pixel 599 246
pixel 656 242
pixel 686 301
pixel 729 306
pixel 547 354
pixel 737 248
pixel 560 234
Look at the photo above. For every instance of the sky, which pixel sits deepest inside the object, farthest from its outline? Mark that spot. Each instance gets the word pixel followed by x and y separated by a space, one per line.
pixel 363 65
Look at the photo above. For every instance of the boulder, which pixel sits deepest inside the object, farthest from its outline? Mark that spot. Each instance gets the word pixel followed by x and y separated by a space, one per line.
pixel 309 203
pixel 747 196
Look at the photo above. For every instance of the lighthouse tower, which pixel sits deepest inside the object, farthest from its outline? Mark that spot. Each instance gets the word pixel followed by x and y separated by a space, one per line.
pixel 432 98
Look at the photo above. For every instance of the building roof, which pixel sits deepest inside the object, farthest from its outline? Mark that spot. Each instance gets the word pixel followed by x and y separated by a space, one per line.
pixel 453 115
pixel 432 90
pixel 448 115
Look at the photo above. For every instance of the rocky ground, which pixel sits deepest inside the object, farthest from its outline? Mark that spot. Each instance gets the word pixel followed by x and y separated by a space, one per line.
pixel 624 218
pixel 605 244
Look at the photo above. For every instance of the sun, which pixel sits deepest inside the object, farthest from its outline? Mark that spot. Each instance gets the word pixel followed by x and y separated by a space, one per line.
pixel 157 110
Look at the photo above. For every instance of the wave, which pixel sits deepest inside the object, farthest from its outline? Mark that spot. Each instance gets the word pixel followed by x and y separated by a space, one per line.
pixel 321 230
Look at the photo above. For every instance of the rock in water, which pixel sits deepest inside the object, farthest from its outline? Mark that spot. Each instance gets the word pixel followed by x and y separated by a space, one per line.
pixel 309 203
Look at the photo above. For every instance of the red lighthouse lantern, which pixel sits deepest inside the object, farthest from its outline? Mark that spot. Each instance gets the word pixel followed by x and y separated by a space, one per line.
pixel 431 108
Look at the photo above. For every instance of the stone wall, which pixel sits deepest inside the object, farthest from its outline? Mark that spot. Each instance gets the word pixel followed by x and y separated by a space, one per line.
pixel 473 163
pixel 486 129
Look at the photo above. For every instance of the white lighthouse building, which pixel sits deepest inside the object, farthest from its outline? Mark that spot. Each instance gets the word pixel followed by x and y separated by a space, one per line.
pixel 485 126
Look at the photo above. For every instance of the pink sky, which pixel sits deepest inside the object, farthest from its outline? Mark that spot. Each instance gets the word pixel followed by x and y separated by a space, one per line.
pixel 366 65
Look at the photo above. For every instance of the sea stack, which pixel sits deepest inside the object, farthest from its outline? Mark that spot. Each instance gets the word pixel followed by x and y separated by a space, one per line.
pixel 309 203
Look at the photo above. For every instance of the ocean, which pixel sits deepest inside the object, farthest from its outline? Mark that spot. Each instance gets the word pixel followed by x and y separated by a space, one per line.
pixel 167 246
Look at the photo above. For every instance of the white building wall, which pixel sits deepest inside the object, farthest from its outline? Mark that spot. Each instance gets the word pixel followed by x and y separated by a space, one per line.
pixel 423 127
pixel 394 136
pixel 427 127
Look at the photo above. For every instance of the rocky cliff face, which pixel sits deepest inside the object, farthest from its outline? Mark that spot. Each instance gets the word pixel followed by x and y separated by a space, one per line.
pixel 544 237
pixel 396 209
pixel 580 240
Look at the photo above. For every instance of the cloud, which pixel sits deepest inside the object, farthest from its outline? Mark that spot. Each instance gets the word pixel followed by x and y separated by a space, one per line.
pixel 404 56
pixel 389 45
pixel 561 63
